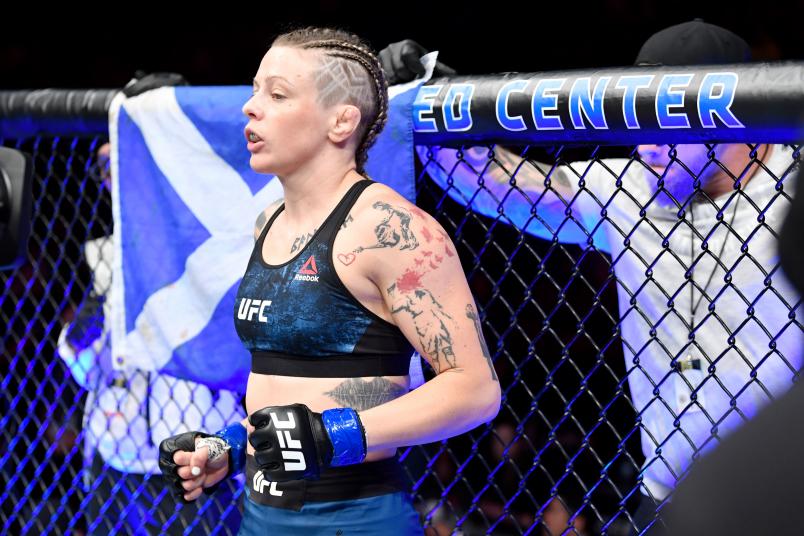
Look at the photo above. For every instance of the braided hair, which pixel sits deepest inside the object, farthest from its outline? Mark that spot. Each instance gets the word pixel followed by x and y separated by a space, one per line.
pixel 349 72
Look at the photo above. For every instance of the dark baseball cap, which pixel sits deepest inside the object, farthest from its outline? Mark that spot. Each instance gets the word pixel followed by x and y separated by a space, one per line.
pixel 693 43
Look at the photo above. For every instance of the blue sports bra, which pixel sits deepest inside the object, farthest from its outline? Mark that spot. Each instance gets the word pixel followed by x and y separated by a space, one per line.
pixel 298 318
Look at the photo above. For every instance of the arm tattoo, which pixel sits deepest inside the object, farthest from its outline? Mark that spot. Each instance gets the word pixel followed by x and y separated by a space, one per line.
pixel 470 313
pixel 429 259
pixel 390 234
pixel 429 319
pixel 393 231
pixel 349 219
pixel 361 394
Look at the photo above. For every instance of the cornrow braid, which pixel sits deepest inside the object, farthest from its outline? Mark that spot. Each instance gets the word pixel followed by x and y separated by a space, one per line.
pixel 346 46
pixel 364 57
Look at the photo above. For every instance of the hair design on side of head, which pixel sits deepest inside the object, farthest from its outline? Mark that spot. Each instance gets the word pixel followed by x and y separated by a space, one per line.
pixel 349 72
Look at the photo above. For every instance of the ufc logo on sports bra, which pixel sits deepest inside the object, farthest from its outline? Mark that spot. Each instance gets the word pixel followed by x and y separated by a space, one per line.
pixel 294 459
pixel 248 308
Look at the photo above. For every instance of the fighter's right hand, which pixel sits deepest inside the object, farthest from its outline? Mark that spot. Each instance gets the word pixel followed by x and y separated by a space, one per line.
pixel 400 62
pixel 177 458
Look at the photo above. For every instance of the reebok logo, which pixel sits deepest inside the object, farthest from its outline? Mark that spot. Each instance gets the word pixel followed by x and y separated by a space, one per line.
pixel 308 271
pixel 259 483
pixel 248 307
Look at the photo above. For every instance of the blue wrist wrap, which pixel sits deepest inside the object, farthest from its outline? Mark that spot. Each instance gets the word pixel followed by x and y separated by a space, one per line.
pixel 236 436
pixel 347 435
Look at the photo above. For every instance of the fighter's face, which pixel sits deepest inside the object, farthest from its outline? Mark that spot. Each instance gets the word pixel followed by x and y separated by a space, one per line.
pixel 284 111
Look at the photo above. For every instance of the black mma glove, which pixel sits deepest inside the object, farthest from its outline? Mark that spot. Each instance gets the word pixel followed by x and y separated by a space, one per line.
pixel 167 448
pixel 291 442
pixel 401 64
pixel 144 82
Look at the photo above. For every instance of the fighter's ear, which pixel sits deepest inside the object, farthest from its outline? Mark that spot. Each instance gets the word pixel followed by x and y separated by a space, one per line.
pixel 345 121
pixel 16 180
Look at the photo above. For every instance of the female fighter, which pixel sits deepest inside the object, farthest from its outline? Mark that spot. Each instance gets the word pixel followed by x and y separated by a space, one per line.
pixel 346 280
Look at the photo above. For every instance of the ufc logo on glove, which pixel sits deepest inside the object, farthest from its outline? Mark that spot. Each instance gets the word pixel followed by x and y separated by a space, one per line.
pixel 301 443
pixel 260 484
pixel 294 459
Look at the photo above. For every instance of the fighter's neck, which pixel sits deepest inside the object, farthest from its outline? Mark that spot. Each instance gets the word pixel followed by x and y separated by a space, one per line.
pixel 310 195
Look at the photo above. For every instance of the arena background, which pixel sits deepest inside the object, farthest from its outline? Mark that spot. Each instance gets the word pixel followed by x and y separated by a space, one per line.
pixel 102 46
pixel 102 49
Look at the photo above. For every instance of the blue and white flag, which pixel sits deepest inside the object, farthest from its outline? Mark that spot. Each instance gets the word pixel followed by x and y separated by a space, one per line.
pixel 184 201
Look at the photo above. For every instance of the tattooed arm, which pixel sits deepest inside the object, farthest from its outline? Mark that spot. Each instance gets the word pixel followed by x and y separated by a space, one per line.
pixel 362 394
pixel 497 192
pixel 424 288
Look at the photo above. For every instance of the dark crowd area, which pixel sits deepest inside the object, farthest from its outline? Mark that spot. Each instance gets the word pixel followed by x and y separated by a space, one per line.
pixel 71 47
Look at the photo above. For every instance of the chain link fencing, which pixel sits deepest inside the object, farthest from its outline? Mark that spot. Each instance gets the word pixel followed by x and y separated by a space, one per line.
pixel 633 317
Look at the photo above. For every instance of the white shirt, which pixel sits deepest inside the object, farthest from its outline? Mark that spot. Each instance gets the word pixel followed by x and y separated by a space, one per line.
pixel 128 413
pixel 649 276
pixel 736 338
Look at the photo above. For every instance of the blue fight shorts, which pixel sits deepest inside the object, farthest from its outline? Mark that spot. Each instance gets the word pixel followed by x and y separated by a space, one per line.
pixel 391 514
pixel 367 498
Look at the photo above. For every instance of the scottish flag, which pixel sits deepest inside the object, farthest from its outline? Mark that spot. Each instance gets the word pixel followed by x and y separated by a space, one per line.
pixel 185 201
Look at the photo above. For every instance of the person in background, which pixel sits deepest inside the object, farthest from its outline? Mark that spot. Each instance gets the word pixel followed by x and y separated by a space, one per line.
pixel 703 353
pixel 128 412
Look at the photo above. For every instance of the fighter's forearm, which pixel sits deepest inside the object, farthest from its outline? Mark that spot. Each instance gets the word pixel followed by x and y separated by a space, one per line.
pixel 452 403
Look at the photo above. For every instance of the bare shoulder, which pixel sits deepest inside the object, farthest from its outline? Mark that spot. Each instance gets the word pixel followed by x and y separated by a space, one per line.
pixel 410 259
pixel 388 231
pixel 266 215
pixel 382 209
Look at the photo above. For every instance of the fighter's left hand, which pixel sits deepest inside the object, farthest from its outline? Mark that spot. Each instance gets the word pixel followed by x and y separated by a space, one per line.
pixel 292 442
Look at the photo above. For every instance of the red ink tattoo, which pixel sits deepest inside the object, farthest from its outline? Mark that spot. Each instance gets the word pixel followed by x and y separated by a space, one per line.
pixel 417 212
pixel 409 281
pixel 426 234
pixel 347 259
